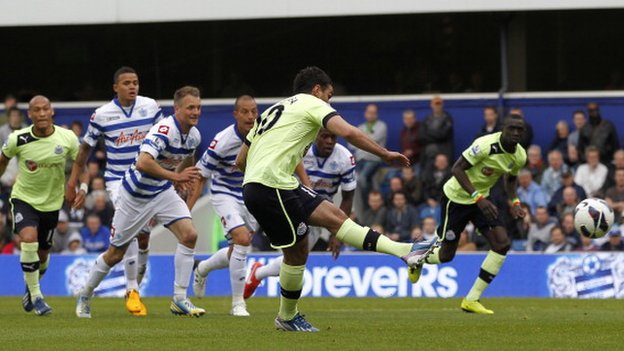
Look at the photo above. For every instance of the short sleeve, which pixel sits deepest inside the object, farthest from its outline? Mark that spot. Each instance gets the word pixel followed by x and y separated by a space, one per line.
pixel 348 178
pixel 94 131
pixel 154 144
pixel 320 112
pixel 74 146
pixel 9 149
pixel 520 163
pixel 476 152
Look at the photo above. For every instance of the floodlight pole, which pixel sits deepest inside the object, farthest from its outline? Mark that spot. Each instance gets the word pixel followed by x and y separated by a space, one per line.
pixel 504 64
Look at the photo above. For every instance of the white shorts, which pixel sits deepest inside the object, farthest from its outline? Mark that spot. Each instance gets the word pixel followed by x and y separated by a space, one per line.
pixel 233 214
pixel 113 194
pixel 132 214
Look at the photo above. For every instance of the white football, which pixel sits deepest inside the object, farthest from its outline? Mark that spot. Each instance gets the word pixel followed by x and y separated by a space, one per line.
pixel 593 218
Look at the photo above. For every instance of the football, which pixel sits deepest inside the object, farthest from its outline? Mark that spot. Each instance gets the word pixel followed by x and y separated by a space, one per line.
pixel 593 218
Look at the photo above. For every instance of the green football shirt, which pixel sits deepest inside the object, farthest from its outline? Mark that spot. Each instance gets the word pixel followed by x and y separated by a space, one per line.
pixel 41 177
pixel 489 161
pixel 281 137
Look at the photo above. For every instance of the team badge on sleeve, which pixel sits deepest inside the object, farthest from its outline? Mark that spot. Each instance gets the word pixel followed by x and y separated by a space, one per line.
pixel 213 144
pixel 475 150
pixel 163 130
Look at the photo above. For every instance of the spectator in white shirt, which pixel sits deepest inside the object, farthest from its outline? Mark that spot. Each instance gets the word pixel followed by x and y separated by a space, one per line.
pixel 592 174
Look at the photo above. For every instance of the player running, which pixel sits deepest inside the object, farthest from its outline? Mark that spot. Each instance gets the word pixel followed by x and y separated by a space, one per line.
pixel 123 123
pixel 147 193
pixel 273 148
pixel 226 197
pixel 465 199
pixel 37 196
pixel 329 166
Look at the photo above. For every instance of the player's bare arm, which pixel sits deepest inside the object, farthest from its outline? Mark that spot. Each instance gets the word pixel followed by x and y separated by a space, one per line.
pixel 195 192
pixel 146 163
pixel 241 158
pixel 4 161
pixel 459 171
pixel 303 176
pixel 354 136
pixel 78 171
pixel 511 184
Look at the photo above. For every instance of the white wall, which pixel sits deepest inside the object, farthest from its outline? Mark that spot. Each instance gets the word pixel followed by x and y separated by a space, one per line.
pixel 64 12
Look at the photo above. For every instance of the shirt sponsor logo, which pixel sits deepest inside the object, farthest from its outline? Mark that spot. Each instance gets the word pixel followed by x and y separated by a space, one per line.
pixel 487 171
pixel 31 165
pixel 135 138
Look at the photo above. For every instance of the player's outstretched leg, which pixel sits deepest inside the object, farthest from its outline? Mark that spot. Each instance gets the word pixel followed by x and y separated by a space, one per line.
pixel 258 272
pixel 218 260
pixel 99 270
pixel 238 262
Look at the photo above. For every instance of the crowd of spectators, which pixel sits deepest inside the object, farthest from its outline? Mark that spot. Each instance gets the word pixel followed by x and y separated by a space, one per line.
pixel 582 160
pixel 79 231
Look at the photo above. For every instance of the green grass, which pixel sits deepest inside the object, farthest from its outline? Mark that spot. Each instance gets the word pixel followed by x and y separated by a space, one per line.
pixel 346 324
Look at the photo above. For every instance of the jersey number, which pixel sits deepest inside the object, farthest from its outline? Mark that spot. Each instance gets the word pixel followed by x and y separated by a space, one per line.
pixel 265 124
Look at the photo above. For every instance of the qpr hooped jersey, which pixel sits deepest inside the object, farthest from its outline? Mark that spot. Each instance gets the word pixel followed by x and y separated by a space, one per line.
pixel 327 174
pixel 169 147
pixel 218 163
pixel 123 131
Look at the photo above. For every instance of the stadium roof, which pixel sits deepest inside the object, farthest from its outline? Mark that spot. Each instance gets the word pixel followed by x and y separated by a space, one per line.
pixel 67 12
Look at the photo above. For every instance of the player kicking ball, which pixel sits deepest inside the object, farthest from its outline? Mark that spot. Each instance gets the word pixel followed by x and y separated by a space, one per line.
pixel 273 148
pixel 328 165
pixel 148 192
pixel 465 199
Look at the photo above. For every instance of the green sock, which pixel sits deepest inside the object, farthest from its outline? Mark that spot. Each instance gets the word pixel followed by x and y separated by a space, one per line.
pixel 489 269
pixel 30 266
pixel 44 267
pixel 367 239
pixel 291 281
pixel 434 256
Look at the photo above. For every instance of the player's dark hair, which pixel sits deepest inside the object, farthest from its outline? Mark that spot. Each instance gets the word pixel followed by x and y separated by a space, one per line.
pixel 122 70
pixel 242 97
pixel 308 77
pixel 184 91
pixel 514 117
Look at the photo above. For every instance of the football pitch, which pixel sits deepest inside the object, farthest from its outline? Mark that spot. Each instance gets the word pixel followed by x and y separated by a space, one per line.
pixel 346 324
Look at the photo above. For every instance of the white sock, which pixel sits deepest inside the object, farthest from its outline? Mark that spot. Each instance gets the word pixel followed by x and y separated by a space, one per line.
pixel 98 272
pixel 217 261
pixel 142 264
pixel 183 261
pixel 238 262
pixel 131 267
pixel 271 269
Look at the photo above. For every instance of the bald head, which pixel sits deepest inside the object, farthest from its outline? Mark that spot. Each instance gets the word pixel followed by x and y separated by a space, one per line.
pixel 38 100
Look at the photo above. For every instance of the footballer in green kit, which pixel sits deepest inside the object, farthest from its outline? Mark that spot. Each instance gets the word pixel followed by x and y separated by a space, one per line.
pixel 42 150
pixel 465 199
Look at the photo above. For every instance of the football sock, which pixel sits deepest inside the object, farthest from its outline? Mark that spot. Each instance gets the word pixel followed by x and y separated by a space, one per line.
pixel 183 261
pixel 291 281
pixel 238 262
pixel 130 265
pixel 43 267
pixel 142 263
pixel 370 240
pixel 489 269
pixel 434 257
pixel 217 261
pixel 29 259
pixel 272 269
pixel 99 270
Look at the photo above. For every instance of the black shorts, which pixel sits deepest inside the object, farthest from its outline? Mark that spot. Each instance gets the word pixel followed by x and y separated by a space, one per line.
pixel 25 215
pixel 282 214
pixel 456 216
